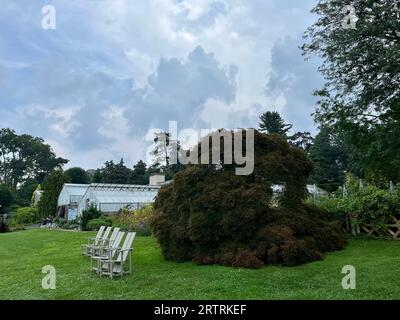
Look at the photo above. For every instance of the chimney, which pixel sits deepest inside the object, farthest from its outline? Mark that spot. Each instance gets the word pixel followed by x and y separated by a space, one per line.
pixel 156 179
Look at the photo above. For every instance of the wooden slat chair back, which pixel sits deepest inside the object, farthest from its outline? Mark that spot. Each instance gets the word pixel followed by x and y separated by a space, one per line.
pixel 92 249
pixel 106 234
pixel 97 250
pixel 113 266
pixel 117 243
pixel 123 254
pixel 93 241
pixel 100 233
pixel 107 253
pixel 113 237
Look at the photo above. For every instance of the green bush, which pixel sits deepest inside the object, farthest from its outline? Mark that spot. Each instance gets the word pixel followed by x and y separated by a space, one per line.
pixel 87 215
pixel 211 215
pixel 67 225
pixel 125 220
pixel 373 206
pixel 368 205
pixel 137 220
pixel 26 215
pixel 60 222
pixel 16 227
pixel 95 224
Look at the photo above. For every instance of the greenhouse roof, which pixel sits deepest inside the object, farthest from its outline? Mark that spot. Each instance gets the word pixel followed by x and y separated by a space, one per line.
pixel 76 189
pixel 123 187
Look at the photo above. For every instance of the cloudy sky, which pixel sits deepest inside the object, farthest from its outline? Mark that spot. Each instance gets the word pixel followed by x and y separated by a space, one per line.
pixel 114 69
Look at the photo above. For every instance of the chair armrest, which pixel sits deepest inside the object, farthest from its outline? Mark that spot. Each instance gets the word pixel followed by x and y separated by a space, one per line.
pixel 111 248
pixel 91 240
pixel 108 242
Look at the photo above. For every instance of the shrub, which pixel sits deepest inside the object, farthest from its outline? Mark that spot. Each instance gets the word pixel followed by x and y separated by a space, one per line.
pixel 87 215
pixel 373 206
pixel 68 225
pixel 125 220
pixel 95 224
pixel 137 220
pixel 26 215
pixel 60 221
pixel 16 227
pixel 369 205
pixel 208 214
pixel 4 227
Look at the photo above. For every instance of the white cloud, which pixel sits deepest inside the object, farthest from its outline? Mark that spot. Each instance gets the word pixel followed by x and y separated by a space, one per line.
pixel 115 68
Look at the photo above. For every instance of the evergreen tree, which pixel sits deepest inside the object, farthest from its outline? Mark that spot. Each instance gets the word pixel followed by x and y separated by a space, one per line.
pixel 52 187
pixel 139 175
pixel 330 160
pixel 273 123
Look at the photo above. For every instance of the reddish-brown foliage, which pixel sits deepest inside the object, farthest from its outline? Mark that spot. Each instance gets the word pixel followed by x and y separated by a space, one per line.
pixel 210 215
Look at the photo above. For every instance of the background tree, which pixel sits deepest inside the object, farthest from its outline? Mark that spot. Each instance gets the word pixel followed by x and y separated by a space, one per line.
pixel 272 122
pixel 6 198
pixel 24 157
pixel 52 187
pixel 112 172
pixel 329 158
pixel 139 173
pixel 97 176
pixel 302 140
pixel 361 96
pixel 78 175
pixel 164 150
pixel 25 191
pixel 165 156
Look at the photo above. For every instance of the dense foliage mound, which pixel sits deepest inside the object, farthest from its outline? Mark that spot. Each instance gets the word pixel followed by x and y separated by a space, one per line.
pixel 209 215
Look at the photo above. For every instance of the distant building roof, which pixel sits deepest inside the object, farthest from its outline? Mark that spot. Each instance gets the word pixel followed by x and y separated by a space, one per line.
pixel 122 187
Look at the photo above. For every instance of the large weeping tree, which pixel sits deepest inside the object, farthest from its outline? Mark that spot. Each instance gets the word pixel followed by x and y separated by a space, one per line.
pixel 210 215
pixel 359 43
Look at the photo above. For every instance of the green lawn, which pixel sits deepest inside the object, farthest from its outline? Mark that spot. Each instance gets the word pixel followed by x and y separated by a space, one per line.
pixel 23 254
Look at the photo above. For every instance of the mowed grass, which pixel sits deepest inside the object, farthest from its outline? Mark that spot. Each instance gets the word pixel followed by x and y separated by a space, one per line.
pixel 23 254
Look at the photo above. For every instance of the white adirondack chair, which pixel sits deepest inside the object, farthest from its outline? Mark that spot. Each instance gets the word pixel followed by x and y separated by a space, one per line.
pixel 90 248
pixel 93 241
pixel 115 266
pixel 96 250
pixel 106 253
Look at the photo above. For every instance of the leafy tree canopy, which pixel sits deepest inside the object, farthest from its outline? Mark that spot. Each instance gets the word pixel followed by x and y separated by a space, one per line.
pixel 361 66
pixel 6 198
pixel 24 157
pixel 112 172
pixel 78 175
